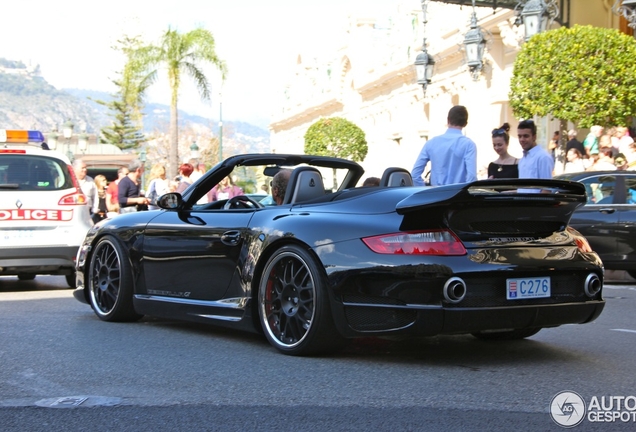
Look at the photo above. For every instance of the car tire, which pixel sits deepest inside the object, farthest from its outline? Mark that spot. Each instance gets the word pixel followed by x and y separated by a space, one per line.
pixel 26 276
pixel 70 280
pixel 293 304
pixel 507 334
pixel 110 282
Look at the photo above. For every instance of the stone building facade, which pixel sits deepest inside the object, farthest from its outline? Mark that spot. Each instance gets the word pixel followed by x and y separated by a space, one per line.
pixel 370 80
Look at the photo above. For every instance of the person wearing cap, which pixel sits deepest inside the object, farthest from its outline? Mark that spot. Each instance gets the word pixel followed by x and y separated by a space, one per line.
pixel 621 162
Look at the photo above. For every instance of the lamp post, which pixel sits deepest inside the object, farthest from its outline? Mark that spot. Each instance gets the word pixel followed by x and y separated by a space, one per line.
pixel 424 63
pixel 67 132
pixel 474 44
pixel 220 127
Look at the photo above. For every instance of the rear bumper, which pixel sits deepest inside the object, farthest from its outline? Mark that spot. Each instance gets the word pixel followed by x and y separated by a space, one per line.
pixel 361 320
pixel 58 260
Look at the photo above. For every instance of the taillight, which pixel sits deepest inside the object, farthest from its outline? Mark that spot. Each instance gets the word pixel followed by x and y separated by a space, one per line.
pixel 76 198
pixel 433 242
pixel 581 242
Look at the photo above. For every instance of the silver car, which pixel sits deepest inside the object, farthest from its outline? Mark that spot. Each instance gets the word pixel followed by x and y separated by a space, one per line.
pixel 44 215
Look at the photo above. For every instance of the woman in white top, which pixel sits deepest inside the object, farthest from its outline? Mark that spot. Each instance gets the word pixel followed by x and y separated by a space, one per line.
pixel 158 184
pixel 575 162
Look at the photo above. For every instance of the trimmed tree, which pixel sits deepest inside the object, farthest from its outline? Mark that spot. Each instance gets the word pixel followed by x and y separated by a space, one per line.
pixel 583 74
pixel 336 137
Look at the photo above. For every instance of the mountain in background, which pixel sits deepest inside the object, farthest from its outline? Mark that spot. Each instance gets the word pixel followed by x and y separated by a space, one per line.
pixel 27 101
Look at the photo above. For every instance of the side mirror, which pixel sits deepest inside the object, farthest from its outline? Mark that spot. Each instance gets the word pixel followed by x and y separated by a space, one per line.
pixel 170 201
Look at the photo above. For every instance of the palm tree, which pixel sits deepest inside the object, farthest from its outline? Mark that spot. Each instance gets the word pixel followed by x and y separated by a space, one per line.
pixel 180 54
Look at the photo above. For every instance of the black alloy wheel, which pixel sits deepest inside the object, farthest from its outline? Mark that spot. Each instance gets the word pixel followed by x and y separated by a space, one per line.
pixel 110 282
pixel 293 304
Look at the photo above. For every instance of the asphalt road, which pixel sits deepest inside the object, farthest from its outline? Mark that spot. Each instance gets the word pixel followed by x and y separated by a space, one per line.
pixel 62 369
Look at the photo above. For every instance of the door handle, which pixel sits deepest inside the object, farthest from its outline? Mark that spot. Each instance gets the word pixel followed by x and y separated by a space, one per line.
pixel 607 210
pixel 231 238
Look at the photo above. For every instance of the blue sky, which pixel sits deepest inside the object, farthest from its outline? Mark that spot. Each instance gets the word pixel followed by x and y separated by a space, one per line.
pixel 72 40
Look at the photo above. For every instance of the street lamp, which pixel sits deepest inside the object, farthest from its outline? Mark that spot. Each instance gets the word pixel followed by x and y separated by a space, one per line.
pixel 536 16
pixel 474 44
pixel 67 129
pixel 82 142
pixel 67 132
pixel 194 150
pixel 52 139
pixel 424 63
pixel 533 16
pixel 627 8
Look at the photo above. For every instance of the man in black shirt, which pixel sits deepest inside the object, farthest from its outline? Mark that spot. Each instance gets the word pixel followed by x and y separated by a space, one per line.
pixel 128 188
pixel 574 143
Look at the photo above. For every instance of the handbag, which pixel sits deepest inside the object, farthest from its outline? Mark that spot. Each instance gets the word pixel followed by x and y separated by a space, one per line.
pixel 152 194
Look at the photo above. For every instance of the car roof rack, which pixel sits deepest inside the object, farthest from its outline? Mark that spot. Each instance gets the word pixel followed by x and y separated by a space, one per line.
pixel 23 137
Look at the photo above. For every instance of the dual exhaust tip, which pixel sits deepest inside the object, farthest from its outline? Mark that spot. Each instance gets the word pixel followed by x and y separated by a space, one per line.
pixel 455 288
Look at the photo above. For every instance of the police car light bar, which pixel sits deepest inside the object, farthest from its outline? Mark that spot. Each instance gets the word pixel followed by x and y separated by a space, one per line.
pixel 21 136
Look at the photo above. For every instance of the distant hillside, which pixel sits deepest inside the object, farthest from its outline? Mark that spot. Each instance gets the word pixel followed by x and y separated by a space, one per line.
pixel 27 101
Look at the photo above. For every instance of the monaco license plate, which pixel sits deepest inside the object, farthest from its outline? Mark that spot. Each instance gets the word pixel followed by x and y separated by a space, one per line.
pixel 527 288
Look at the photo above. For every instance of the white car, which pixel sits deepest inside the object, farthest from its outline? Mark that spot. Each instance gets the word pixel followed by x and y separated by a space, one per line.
pixel 44 215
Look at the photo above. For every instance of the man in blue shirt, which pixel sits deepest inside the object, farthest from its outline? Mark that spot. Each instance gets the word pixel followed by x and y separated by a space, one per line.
pixel 453 156
pixel 536 162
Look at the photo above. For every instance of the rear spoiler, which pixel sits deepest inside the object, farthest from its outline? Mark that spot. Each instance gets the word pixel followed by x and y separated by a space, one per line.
pixel 498 190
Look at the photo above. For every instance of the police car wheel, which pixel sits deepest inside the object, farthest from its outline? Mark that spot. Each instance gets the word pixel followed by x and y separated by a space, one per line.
pixel 70 280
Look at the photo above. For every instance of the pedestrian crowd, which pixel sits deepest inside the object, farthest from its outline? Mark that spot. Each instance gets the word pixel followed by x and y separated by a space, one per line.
pixel 125 194
pixel 452 157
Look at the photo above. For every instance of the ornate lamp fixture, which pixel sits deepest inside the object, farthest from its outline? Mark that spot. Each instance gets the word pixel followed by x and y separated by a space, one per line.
pixel 82 140
pixel 536 15
pixel 52 139
pixel 194 151
pixel 474 44
pixel 627 8
pixel 424 63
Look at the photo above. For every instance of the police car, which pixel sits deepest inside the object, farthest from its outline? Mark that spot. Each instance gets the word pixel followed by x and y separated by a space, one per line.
pixel 44 215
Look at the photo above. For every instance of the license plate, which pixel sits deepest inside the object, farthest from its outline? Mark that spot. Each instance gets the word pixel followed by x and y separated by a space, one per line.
pixel 527 288
pixel 10 235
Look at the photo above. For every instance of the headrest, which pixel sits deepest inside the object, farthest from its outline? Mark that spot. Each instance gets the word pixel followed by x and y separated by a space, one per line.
pixel 395 176
pixel 305 183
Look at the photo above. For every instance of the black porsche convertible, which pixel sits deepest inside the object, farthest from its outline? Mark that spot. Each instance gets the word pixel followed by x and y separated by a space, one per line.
pixel 494 258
